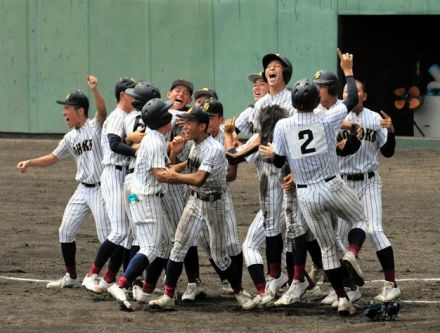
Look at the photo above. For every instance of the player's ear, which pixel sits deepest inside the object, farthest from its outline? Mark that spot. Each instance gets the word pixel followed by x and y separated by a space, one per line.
pixel 168 94
pixel 365 97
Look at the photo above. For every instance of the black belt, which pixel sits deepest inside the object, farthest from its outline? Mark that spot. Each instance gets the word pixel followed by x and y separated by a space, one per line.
pixel 159 194
pixel 130 171
pixel 326 180
pixel 359 176
pixel 211 197
pixel 91 185
pixel 120 167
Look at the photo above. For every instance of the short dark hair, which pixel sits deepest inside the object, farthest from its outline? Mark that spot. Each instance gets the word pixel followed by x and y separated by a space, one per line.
pixel 86 110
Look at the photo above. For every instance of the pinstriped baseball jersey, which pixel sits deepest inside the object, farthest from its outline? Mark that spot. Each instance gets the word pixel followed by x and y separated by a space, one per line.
pixel 152 154
pixel 308 142
pixel 209 156
pixel 282 99
pixel 373 137
pixel 84 145
pixel 244 121
pixel 114 124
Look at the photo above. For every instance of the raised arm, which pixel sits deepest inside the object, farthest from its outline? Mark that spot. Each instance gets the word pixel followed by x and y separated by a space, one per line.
pixel 101 110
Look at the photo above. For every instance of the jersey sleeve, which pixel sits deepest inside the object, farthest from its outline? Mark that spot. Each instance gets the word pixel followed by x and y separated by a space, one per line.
pixel 336 116
pixel 278 145
pixel 157 156
pixel 62 150
pixel 214 156
pixel 382 134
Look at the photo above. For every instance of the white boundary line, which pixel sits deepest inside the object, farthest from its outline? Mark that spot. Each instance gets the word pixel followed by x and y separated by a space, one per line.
pixel 407 301
pixel 372 281
pixel 23 279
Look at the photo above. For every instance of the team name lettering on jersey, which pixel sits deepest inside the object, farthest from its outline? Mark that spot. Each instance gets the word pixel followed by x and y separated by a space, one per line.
pixel 81 147
pixel 368 134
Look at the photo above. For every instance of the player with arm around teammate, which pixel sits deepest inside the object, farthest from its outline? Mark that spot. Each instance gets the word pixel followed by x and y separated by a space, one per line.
pixel 146 195
pixel 308 143
pixel 83 144
pixel 207 177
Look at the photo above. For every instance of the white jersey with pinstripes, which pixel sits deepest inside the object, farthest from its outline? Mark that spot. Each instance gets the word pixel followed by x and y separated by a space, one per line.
pixel 152 154
pixel 308 142
pixel 133 122
pixel 83 144
pixel 114 124
pixel 282 99
pixel 373 137
pixel 209 156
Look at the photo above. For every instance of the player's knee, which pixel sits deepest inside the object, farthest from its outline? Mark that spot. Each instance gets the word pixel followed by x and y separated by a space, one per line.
pixel 65 235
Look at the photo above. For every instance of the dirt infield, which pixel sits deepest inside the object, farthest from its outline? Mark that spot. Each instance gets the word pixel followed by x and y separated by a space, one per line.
pixel 32 206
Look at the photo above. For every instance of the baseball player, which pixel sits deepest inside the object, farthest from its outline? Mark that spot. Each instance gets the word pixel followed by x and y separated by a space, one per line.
pixel 207 177
pixel 82 143
pixel 320 189
pixel 214 108
pixel 277 73
pixel 243 123
pixel 360 171
pixel 146 194
pixel 135 130
pixel 116 159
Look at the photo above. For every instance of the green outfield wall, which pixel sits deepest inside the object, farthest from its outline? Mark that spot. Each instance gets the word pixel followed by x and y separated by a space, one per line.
pixel 47 47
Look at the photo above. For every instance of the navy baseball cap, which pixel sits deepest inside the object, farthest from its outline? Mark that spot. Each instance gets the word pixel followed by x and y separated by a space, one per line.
pixel 205 92
pixel 197 115
pixel 76 98
pixel 182 82
pixel 123 84
pixel 212 107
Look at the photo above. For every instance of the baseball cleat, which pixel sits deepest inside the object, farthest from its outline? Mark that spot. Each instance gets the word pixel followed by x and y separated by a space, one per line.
pixel 245 300
pixel 192 291
pixel 225 287
pixel 330 298
pixel 249 303
pixel 353 296
pixel 293 294
pixel 140 296
pixel 353 268
pixel 272 287
pixel 312 294
pixel 91 283
pixel 65 282
pixel 164 302
pixel 389 292
pixel 104 285
pixel 345 308
pixel 120 294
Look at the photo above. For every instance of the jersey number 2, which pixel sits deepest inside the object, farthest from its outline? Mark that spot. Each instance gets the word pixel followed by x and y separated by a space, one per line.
pixel 309 134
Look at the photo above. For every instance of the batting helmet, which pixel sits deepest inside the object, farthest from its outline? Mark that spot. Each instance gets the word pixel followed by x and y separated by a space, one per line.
pixel 329 79
pixel 305 95
pixel 287 65
pixel 142 93
pixel 155 113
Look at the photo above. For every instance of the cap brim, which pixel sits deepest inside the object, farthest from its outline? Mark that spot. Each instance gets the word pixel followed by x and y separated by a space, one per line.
pixel 168 104
pixel 130 92
pixel 321 82
pixel 66 103
pixel 186 115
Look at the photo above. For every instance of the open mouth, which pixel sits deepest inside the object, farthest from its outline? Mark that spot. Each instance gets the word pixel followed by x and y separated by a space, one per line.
pixel 178 100
pixel 272 75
